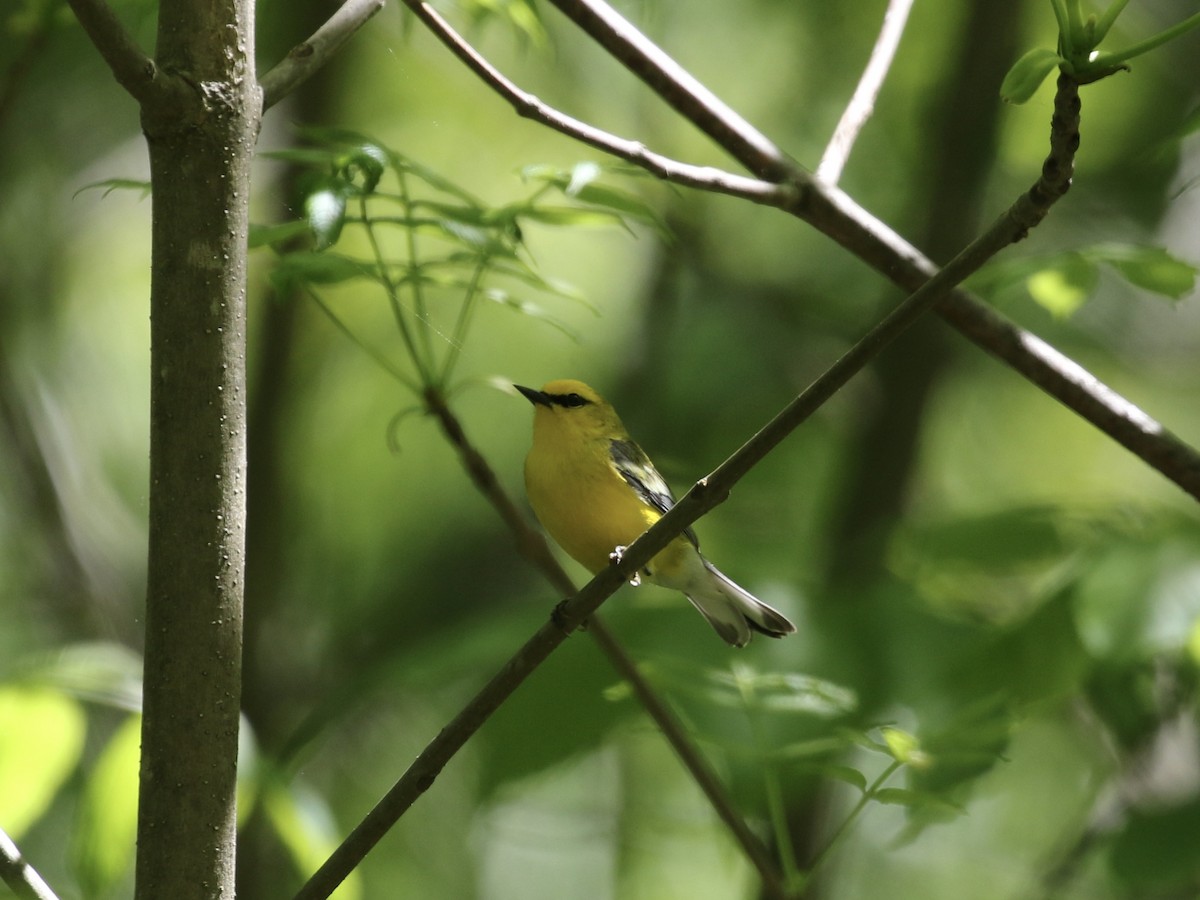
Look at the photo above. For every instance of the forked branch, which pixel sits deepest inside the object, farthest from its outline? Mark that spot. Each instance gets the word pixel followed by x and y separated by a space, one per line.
pixel 309 56
pixel 133 69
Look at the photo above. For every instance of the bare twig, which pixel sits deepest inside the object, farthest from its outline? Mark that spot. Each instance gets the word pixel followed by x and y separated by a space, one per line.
pixel 308 57
pixel 19 875
pixel 693 101
pixel 532 545
pixel 133 69
pixel 530 107
pixel 838 216
pixel 679 88
pixel 862 103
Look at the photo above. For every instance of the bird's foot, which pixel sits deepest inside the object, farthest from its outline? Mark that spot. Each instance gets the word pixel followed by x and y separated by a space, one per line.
pixel 616 555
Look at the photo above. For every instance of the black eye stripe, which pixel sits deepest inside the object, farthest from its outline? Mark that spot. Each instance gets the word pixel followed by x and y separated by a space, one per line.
pixel 570 401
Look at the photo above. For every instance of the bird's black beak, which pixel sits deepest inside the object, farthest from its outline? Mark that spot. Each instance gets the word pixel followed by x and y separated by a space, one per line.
pixel 535 397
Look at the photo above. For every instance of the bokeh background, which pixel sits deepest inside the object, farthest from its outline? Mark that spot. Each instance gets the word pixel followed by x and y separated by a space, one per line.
pixel 968 562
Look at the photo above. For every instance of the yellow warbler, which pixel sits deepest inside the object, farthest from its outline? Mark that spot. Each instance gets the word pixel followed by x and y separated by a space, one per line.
pixel 595 492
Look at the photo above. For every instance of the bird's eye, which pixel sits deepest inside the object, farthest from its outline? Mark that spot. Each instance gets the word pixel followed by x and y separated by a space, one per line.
pixel 572 400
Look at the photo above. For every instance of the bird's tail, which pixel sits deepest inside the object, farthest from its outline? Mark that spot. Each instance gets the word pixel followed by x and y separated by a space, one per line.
pixel 733 611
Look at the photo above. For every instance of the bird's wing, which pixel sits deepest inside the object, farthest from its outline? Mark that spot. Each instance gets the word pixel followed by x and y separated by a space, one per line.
pixel 639 473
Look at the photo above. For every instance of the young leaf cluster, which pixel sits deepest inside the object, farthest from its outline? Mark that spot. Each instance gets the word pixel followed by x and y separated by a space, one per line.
pixel 1077 54
pixel 431 248
pixel 1061 283
pixel 826 742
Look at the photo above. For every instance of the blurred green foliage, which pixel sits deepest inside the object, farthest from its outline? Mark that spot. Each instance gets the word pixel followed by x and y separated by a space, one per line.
pixel 993 691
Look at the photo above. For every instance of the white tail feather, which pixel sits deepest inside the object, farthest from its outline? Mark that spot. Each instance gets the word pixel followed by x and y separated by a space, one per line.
pixel 732 610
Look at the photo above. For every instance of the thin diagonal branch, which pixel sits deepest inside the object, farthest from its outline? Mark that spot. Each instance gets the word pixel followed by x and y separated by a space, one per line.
pixel 308 57
pixel 862 103
pixel 838 216
pixel 19 875
pixel 532 545
pixel 133 69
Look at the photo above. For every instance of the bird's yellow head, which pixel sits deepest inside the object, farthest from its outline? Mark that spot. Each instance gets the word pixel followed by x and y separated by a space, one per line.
pixel 570 408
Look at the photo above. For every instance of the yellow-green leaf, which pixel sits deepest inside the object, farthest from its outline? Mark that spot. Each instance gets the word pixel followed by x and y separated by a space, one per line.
pixel 41 737
pixel 304 825
pixel 1027 74
pixel 106 833
pixel 1064 286
pixel 905 747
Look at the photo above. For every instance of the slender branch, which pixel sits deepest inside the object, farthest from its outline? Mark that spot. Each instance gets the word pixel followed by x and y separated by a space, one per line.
pixel 867 796
pixel 529 106
pixel 308 57
pixel 133 69
pixel 678 87
pixel 862 103
pixel 19 875
pixel 838 216
pixel 532 545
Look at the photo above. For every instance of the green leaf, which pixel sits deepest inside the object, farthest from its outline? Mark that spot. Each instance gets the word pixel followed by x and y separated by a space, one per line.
pixel 367 160
pixel 467 214
pixel 520 14
pixel 117 184
pixel 1007 537
pixel 573 216
pixel 582 174
pixel 905 748
pixel 1063 286
pixel 304 824
pixel 526 308
pixel 41 739
pixel 1150 268
pixel 778 692
pixel 270 235
pixel 325 212
pixel 622 202
pixel 1155 853
pixel 993 567
pixel 900 797
pixel 820 746
pixel 106 834
pixel 1027 74
pixel 438 183
pixel 97 672
pixel 845 774
pixel 967 746
pixel 321 268
pixel 1106 20
pixel 580 183
pixel 309 157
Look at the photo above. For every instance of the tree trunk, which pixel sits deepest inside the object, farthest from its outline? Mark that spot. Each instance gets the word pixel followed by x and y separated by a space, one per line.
pixel 200 154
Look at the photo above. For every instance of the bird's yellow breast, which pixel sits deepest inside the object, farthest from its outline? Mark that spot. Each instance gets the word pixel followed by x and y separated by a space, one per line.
pixel 586 506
